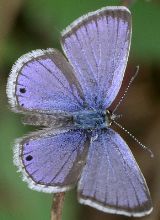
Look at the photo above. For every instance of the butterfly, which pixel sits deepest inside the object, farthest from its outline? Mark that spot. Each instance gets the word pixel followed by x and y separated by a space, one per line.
pixel 69 98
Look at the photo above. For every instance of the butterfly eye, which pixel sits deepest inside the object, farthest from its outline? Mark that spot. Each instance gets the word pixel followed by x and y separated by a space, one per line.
pixel 29 158
pixel 108 113
pixel 22 90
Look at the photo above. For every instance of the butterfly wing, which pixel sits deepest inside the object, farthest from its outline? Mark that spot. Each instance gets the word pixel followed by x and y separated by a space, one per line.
pixel 97 45
pixel 51 160
pixel 43 81
pixel 111 180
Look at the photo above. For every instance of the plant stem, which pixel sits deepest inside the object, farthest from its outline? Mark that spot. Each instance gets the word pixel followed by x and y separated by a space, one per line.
pixel 57 205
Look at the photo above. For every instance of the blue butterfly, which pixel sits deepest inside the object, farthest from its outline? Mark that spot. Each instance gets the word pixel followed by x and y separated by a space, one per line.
pixel 70 99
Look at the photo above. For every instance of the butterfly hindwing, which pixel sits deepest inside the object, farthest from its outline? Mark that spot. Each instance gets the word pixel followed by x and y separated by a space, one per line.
pixel 111 180
pixel 51 160
pixel 43 81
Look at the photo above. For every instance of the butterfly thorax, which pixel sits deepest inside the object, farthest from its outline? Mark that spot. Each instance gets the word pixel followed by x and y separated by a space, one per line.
pixel 91 119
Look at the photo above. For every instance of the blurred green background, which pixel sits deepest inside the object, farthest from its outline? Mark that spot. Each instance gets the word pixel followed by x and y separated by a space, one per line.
pixel 33 24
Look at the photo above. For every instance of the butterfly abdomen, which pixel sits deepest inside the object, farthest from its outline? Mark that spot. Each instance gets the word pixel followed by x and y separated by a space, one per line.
pixel 48 120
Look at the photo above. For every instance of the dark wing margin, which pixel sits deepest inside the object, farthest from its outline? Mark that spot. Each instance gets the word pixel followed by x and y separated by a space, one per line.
pixel 111 180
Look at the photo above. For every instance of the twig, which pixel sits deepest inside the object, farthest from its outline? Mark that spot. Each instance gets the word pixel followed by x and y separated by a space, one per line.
pixel 57 205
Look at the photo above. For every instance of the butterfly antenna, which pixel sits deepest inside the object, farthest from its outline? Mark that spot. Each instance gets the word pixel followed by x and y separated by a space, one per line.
pixel 130 82
pixel 134 138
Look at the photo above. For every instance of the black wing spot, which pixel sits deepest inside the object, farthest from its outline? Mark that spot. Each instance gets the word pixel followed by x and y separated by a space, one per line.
pixel 29 158
pixel 22 90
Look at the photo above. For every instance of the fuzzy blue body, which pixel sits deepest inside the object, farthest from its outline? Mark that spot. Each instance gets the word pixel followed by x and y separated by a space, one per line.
pixel 91 119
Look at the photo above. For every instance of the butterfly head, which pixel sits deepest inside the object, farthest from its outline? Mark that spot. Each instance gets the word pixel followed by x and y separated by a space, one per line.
pixel 110 117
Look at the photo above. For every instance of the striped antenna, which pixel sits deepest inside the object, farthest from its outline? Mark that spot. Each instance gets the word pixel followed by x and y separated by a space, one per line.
pixel 134 138
pixel 130 82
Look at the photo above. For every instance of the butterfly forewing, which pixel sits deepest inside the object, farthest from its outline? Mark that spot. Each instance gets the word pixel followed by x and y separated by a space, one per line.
pixel 97 45
pixel 43 81
pixel 51 160
pixel 111 180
